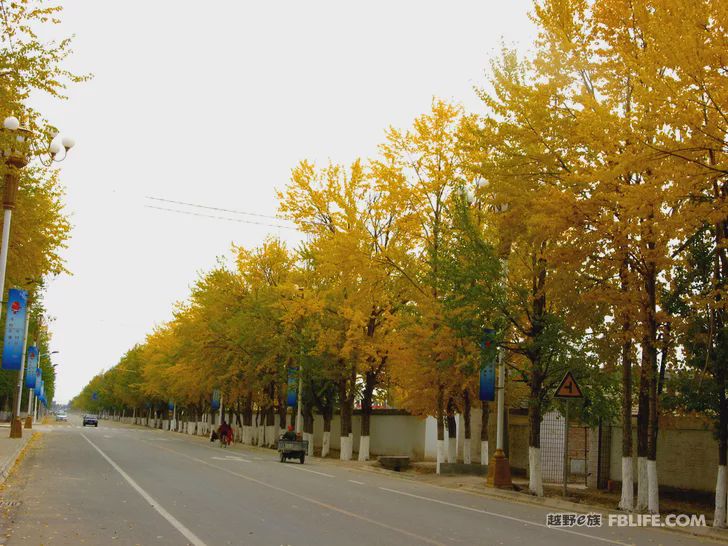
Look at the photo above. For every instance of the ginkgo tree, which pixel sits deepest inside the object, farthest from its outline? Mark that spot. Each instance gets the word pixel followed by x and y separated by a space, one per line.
pixel 30 65
pixel 567 217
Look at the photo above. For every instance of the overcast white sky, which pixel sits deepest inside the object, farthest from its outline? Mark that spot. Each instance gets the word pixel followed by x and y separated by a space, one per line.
pixel 213 103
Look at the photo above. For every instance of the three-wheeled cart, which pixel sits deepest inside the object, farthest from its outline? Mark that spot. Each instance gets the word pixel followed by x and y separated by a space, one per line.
pixel 292 449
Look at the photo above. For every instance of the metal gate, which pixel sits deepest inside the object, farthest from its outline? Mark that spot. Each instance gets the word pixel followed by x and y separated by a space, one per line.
pixel 552 449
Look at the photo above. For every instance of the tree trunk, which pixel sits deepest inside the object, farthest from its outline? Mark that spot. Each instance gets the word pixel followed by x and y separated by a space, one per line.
pixel 308 427
pixel 537 377
pixel 466 427
pixel 642 420
pixel 440 416
pixel 370 381
pixel 326 443
pixel 452 433
pixel 653 504
pixel 535 479
pixel 719 517
pixel 720 274
pixel 270 426
pixel 346 451
pixel 627 500
pixel 282 409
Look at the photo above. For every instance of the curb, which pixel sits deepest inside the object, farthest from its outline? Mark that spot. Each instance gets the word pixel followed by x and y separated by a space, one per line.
pixel 7 465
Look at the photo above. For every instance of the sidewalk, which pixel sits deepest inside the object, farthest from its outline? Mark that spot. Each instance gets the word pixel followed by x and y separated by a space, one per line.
pixel 11 449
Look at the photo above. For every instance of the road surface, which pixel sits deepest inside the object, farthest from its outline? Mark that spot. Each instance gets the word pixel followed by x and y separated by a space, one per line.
pixel 118 484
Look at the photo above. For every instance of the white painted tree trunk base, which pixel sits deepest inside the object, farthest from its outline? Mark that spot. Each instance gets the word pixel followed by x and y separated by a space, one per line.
pixel 720 497
pixel 247 435
pixel 270 436
pixel 345 452
pixel 627 501
pixel 363 448
pixel 653 499
pixel 467 459
pixel 440 454
pixel 641 484
pixel 326 444
pixel 452 450
pixel 535 478
pixel 309 438
pixel 484 459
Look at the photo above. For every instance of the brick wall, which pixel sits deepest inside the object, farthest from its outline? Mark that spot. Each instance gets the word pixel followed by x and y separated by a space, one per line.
pixel 687 453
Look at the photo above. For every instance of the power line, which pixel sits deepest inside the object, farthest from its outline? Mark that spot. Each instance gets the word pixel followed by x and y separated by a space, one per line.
pixel 231 211
pixel 239 220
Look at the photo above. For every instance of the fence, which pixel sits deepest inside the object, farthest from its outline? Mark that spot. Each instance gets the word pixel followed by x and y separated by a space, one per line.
pixel 552 450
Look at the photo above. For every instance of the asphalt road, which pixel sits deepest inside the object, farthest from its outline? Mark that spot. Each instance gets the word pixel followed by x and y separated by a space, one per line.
pixel 117 484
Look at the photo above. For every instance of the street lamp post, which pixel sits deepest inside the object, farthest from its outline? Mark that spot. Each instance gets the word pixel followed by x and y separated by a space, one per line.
pixel 16 150
pixel 16 425
pixel 31 394
pixel 16 157
pixel 499 471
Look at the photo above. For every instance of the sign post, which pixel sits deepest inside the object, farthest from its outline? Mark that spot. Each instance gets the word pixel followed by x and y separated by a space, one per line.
pixel 567 389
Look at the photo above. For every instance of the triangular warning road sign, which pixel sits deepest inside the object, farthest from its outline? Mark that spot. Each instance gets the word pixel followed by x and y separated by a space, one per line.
pixel 568 388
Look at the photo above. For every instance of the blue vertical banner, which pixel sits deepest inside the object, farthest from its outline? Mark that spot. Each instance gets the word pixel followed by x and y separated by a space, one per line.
pixel 14 329
pixel 489 352
pixel 38 381
pixel 215 400
pixel 170 405
pixel 291 395
pixel 31 366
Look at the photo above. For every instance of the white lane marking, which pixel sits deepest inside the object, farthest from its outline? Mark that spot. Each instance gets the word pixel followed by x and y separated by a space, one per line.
pixel 356 482
pixel 311 471
pixel 317 502
pixel 189 535
pixel 230 459
pixel 494 514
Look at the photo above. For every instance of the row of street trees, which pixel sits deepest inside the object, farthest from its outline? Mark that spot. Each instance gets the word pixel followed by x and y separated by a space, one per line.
pixel 40 227
pixel 582 216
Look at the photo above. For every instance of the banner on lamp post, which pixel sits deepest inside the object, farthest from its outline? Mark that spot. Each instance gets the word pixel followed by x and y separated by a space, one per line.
pixel 14 329
pixel 489 351
pixel 215 400
pixel 170 405
pixel 292 393
pixel 31 366
pixel 38 383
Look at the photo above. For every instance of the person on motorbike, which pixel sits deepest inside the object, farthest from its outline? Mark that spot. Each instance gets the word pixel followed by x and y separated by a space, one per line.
pixel 289 434
pixel 226 432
